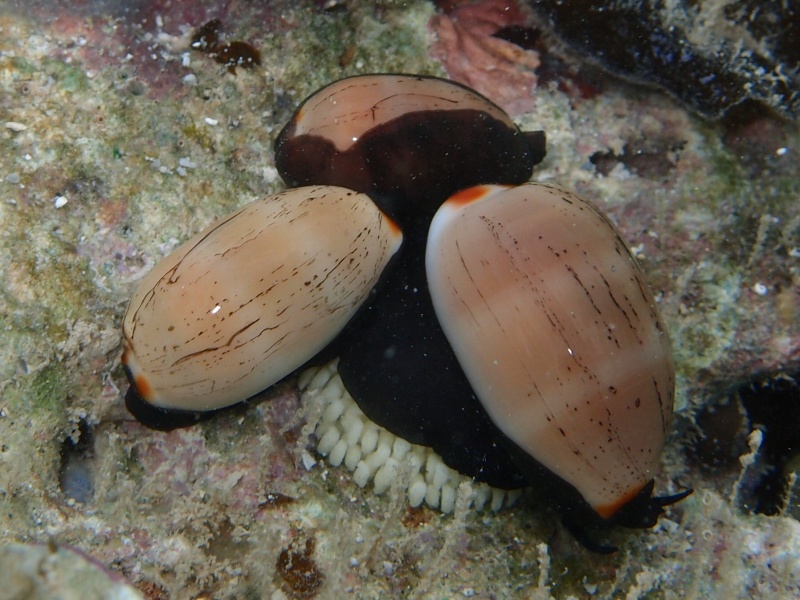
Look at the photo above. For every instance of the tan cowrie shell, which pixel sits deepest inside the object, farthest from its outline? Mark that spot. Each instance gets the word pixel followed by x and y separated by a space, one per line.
pixel 557 332
pixel 254 296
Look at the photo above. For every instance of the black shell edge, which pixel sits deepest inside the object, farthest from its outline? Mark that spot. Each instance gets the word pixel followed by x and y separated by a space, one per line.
pixel 161 419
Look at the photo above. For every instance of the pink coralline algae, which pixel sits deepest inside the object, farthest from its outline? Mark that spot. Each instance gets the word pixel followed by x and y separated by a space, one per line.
pixel 498 69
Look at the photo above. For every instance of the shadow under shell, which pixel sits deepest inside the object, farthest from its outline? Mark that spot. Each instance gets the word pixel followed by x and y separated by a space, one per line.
pixel 396 363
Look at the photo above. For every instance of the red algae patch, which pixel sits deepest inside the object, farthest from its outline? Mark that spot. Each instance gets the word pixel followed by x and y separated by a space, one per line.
pixel 499 69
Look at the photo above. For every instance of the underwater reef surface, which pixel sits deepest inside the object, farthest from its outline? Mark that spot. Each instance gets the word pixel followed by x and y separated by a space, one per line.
pixel 119 141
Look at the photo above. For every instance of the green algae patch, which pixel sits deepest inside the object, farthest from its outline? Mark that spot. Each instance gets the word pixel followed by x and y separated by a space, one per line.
pixel 17 64
pixel 40 395
pixel 46 272
pixel 199 135
pixel 33 413
pixel 71 77
pixel 397 43
pixel 364 39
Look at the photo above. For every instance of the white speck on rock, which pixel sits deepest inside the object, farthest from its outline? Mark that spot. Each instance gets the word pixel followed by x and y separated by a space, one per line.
pixel 60 201
pixel 270 174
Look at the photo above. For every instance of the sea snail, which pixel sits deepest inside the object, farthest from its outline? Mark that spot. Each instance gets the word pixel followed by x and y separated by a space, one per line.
pixel 559 337
pixel 251 298
pixel 407 140
pixel 512 332
pixel 525 348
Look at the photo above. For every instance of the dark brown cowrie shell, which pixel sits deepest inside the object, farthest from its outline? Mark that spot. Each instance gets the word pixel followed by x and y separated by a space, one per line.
pixel 409 141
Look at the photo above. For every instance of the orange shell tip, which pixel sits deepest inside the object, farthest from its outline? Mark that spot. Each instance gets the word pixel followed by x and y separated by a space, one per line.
pixel 470 195
pixel 143 387
pixel 609 510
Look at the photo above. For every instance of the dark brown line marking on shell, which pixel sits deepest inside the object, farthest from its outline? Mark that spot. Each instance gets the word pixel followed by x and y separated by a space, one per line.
pixel 215 348
pixel 583 287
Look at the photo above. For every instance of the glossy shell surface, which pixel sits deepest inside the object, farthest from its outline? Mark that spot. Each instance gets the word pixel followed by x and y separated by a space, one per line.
pixel 254 296
pixel 349 108
pixel 408 139
pixel 557 332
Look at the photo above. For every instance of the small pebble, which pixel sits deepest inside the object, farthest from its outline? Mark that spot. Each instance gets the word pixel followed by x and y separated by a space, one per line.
pixel 308 460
